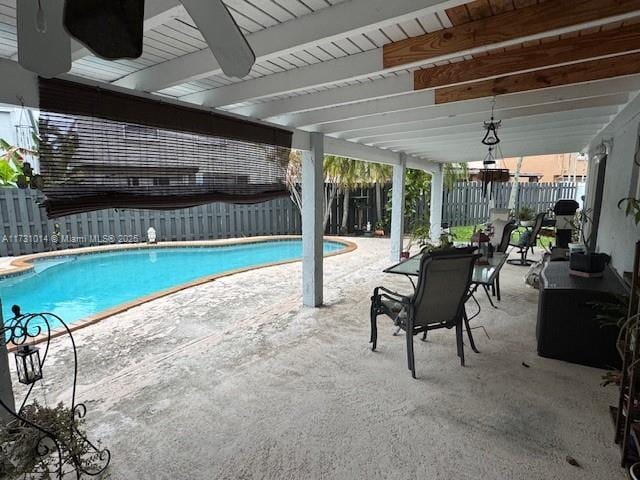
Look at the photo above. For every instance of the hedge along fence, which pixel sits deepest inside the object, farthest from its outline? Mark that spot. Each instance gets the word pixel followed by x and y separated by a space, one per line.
pixel 26 229
pixel 466 203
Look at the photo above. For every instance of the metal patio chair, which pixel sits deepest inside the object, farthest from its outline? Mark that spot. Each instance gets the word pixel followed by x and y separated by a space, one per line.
pixel 528 242
pixel 443 286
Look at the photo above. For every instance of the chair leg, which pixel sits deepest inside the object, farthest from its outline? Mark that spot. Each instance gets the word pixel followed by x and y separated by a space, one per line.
pixel 424 336
pixel 374 327
pixel 410 358
pixel 466 324
pixel 498 287
pixel 459 342
pixel 486 290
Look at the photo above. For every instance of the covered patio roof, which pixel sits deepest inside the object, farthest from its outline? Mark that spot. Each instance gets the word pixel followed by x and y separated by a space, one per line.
pixel 380 78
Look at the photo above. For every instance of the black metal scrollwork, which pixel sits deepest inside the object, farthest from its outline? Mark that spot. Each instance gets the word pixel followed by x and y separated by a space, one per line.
pixel 18 331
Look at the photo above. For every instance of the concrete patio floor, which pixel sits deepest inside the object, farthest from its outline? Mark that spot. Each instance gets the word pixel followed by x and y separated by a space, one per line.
pixel 235 380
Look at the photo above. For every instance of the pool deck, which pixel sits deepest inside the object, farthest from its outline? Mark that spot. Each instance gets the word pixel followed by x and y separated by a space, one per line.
pixel 21 264
pixel 235 379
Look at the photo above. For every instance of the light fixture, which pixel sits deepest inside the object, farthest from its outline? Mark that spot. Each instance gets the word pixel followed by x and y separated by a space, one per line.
pixel 490 175
pixel 28 364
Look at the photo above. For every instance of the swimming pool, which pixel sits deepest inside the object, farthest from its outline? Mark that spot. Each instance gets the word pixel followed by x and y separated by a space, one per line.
pixel 77 287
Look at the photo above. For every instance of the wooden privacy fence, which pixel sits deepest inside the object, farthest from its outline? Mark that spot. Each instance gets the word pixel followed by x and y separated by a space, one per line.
pixel 466 204
pixel 26 229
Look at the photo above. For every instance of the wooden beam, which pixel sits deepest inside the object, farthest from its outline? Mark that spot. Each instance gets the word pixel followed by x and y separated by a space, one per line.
pixel 522 22
pixel 563 51
pixel 551 77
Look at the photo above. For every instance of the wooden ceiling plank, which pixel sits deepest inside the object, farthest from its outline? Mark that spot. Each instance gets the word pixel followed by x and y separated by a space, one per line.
pixel 479 9
pixel 501 6
pixel 563 51
pixel 592 70
pixel 458 15
pixel 500 28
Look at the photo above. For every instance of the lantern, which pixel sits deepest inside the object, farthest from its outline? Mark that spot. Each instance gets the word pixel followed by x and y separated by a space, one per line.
pixel 480 240
pixel 28 364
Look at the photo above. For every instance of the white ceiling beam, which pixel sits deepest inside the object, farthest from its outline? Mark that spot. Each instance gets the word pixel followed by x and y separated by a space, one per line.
pixel 421 98
pixel 503 102
pixel 321 27
pixel 352 67
pixel 477 149
pixel 473 143
pixel 567 145
pixel 577 107
pixel 474 122
pixel 426 98
pixel 384 87
pixel 453 133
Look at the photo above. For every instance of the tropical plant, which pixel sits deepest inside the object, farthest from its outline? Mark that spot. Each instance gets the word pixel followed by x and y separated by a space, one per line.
pixel 21 445
pixel 340 174
pixel 632 208
pixel 579 223
pixel 454 173
pixel 11 161
pixel 345 173
pixel 62 145
pixel 378 174
pixel 526 214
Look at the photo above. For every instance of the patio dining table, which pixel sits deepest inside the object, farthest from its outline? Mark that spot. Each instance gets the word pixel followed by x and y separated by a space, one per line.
pixel 484 275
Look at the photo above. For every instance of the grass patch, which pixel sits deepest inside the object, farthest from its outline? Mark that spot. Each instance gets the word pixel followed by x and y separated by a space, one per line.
pixel 463 235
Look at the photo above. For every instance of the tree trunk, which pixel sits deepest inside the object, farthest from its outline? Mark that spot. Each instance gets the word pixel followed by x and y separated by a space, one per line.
pixel 329 196
pixel 516 186
pixel 379 202
pixel 345 211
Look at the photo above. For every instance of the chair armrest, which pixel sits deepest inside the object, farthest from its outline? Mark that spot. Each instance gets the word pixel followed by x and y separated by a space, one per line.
pixel 391 295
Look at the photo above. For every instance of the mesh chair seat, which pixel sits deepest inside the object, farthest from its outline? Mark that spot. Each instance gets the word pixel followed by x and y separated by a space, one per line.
pixel 438 302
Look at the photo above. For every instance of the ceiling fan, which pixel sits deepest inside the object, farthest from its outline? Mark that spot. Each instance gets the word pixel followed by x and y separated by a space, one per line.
pixel 114 29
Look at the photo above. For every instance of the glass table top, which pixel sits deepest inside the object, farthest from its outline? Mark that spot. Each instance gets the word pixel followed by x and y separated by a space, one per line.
pixel 484 274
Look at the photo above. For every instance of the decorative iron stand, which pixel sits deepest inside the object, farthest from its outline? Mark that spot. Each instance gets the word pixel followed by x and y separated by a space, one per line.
pixel 20 331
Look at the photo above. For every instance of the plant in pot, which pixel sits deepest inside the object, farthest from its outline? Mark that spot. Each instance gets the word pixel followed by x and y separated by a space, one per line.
pixel 419 235
pixel 26 453
pixel 584 261
pixel 526 216
pixel 379 230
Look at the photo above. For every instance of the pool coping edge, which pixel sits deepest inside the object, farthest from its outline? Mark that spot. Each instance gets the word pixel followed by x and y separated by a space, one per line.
pixel 23 264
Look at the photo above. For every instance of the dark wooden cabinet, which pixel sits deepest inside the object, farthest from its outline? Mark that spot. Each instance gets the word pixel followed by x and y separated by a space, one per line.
pixel 567 327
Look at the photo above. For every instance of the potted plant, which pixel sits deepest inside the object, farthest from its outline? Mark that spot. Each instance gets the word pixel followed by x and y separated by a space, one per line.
pixel 584 261
pixel 379 229
pixel 22 446
pixel 419 235
pixel 526 216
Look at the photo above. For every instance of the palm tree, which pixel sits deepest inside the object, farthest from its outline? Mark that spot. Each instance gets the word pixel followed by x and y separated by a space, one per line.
pixel 378 174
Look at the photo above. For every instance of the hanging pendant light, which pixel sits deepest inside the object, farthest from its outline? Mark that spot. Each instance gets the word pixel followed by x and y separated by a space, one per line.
pixel 489 175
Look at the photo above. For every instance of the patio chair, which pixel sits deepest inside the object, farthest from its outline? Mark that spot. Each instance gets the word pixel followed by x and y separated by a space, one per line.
pixel 443 286
pixel 527 241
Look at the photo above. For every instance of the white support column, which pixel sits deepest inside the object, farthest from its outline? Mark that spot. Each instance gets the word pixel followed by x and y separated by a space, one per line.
pixel 312 215
pixel 397 208
pixel 6 390
pixel 437 189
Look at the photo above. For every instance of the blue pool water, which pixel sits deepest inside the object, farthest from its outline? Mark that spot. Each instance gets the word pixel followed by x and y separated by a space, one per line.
pixel 77 286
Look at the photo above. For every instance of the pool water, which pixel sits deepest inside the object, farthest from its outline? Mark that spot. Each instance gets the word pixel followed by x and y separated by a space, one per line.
pixel 78 286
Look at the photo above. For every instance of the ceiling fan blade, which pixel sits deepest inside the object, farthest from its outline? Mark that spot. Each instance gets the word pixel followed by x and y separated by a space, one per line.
pixel 44 46
pixel 226 41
